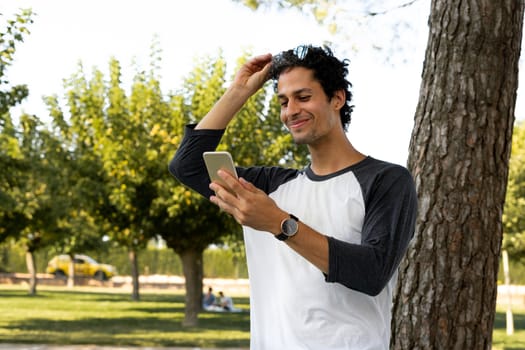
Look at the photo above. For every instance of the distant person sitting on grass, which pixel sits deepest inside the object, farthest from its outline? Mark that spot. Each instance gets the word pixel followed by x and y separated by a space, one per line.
pixel 222 303
pixel 225 302
pixel 208 298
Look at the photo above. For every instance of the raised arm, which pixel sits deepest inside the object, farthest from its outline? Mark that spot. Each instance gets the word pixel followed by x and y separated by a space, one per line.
pixel 187 165
pixel 250 78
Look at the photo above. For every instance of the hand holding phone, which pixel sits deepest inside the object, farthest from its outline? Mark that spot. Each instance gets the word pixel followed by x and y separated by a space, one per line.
pixel 219 160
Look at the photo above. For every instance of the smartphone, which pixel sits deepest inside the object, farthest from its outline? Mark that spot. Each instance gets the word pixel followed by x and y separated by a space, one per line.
pixel 219 160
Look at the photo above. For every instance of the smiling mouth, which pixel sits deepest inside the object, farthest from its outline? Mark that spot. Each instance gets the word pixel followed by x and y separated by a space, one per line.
pixel 297 124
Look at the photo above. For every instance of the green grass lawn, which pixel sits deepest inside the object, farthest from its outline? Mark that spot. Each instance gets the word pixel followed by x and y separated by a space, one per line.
pixel 105 317
pixel 61 316
pixel 502 341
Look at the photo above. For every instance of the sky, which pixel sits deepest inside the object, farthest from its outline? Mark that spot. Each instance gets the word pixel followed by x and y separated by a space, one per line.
pixel 66 32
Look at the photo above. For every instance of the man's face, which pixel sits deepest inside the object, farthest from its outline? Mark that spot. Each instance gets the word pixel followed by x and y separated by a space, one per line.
pixel 305 109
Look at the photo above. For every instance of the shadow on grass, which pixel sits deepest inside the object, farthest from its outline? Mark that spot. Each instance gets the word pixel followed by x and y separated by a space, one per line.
pixel 130 331
pixel 501 340
pixel 500 321
pixel 60 295
pixel 77 317
pixel 91 296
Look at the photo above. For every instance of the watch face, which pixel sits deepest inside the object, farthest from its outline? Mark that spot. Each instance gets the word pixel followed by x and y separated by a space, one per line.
pixel 289 227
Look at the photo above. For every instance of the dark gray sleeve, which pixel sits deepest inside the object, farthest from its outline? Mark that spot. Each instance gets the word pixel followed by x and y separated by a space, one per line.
pixel 389 223
pixel 188 166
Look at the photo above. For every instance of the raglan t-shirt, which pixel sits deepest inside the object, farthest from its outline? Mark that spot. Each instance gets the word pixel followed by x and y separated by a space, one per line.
pixel 367 211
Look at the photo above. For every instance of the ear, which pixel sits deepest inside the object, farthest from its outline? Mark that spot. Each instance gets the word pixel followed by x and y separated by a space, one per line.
pixel 339 99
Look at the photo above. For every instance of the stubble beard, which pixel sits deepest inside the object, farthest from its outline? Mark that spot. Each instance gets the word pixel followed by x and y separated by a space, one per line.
pixel 306 139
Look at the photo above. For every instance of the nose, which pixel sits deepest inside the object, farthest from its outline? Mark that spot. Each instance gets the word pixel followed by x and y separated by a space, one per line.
pixel 292 109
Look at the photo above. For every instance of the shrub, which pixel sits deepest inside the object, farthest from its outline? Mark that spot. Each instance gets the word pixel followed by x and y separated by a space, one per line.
pixel 218 262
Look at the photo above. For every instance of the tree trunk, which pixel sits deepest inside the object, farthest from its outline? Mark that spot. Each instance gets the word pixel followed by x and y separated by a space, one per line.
pixel 4 258
pixel 31 269
pixel 459 156
pixel 133 260
pixel 71 272
pixel 193 273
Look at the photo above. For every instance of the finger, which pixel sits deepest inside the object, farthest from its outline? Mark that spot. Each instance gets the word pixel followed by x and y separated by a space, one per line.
pixel 262 60
pixel 266 70
pixel 247 185
pixel 223 206
pixel 231 181
pixel 223 193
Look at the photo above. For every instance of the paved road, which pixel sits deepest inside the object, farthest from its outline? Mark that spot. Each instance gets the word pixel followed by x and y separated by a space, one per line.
pixel 94 347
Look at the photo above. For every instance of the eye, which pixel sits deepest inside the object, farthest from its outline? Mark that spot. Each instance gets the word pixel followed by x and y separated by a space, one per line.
pixel 304 98
pixel 283 103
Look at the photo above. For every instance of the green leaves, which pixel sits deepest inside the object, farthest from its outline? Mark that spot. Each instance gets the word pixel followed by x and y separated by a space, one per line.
pixel 11 155
pixel 513 216
pixel 13 33
pixel 100 168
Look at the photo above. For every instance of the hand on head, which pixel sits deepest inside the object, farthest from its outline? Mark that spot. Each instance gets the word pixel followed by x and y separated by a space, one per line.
pixel 254 73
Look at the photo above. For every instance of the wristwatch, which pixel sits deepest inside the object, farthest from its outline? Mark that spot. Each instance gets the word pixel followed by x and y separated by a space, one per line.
pixel 289 227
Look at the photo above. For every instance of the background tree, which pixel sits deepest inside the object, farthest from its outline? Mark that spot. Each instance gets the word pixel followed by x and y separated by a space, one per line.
pixel 43 209
pixel 513 215
pixel 187 222
pixel 39 208
pixel 32 187
pixel 459 156
pixel 83 174
pixel 11 33
pixel 110 134
pixel 28 156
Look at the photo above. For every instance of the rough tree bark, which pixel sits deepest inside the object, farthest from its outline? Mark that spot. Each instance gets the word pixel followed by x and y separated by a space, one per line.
pixel 459 156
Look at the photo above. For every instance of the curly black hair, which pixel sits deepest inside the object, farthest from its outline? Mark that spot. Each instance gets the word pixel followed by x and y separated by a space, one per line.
pixel 328 70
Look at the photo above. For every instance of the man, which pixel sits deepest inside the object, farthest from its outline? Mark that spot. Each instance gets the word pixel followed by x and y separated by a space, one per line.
pixel 342 224
pixel 208 299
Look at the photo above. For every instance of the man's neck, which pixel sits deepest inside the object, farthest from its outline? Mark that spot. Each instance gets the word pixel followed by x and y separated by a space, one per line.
pixel 331 157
